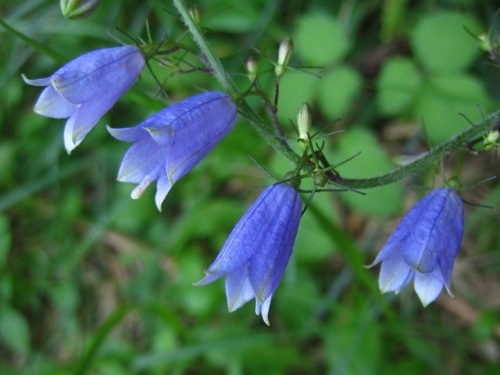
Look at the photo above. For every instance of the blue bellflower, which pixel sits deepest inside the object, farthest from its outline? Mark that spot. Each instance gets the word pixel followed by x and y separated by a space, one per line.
pixel 170 143
pixel 257 251
pixel 424 246
pixel 86 88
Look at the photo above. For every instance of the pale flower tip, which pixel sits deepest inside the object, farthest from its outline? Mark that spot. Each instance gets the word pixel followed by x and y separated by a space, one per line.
pixel 69 145
pixel 158 207
pixel 425 302
pixel 368 266
pixel 450 293
pixel 198 283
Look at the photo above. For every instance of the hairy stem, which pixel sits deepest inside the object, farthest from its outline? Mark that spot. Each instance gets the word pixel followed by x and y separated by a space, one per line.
pixel 264 126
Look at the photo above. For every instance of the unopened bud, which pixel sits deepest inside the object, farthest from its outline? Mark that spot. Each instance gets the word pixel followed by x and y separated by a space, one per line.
pixel 195 14
pixel 284 55
pixel 252 67
pixel 484 42
pixel 304 121
pixel 491 140
pixel 78 9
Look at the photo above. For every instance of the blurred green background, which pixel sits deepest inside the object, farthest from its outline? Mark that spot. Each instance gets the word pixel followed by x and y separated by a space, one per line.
pixel 92 282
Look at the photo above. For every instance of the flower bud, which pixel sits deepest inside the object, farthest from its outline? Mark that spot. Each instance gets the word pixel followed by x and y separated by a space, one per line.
pixel 78 9
pixel 195 14
pixel 284 55
pixel 304 120
pixel 491 139
pixel 484 42
pixel 252 67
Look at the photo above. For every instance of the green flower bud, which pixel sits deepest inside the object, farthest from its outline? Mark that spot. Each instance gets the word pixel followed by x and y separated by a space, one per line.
pixel 491 139
pixel 484 43
pixel 304 120
pixel 252 67
pixel 195 14
pixel 78 9
pixel 284 55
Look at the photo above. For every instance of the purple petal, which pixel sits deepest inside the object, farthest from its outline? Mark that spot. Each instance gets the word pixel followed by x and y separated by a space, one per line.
pixel 176 139
pixel 263 309
pixel 191 129
pixel 54 105
pixel 106 73
pixel 163 186
pixel 428 286
pixel 238 290
pixel 82 122
pixel 86 88
pixel 132 134
pixel 137 164
pixel 422 243
pixel 279 231
pixel 249 235
pixel 394 274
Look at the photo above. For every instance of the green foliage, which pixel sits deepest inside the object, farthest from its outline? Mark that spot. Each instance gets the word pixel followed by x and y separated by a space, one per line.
pixel 398 86
pixel 94 282
pixel 441 44
pixel 320 39
pixel 436 87
pixel 383 201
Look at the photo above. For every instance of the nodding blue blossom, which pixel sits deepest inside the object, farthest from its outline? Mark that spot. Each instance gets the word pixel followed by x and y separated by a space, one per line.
pixel 170 143
pixel 86 88
pixel 424 246
pixel 257 251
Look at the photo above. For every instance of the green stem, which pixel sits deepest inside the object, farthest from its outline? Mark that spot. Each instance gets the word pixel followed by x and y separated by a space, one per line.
pixel 265 129
pixel 459 141
pixel 43 48
pixel 212 60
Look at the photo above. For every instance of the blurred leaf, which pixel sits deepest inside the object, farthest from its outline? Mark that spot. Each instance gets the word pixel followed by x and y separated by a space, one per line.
pixel 444 99
pixel 393 19
pixel 383 201
pixel 41 47
pixel 14 330
pixel 320 40
pixel 311 243
pixel 100 336
pixel 442 44
pixel 355 342
pixel 398 85
pixel 240 18
pixel 65 296
pixel 5 240
pixel 296 88
pixel 338 90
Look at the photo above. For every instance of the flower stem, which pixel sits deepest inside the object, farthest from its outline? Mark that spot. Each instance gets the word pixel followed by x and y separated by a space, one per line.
pixel 211 58
pixel 459 141
pixel 264 127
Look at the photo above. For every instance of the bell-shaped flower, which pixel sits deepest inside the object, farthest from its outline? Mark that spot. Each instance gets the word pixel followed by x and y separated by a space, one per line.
pixel 424 246
pixel 257 251
pixel 170 143
pixel 86 88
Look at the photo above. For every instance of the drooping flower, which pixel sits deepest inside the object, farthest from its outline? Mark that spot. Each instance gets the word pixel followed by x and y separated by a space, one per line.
pixel 86 88
pixel 170 143
pixel 424 246
pixel 257 251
